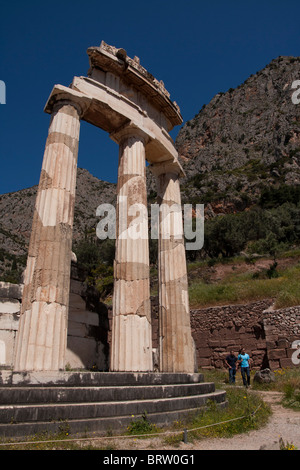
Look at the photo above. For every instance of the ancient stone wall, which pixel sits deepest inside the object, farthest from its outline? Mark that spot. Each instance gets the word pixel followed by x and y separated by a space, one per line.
pixel 282 328
pixel 217 330
pixel 87 346
pixel 10 305
pixel 267 335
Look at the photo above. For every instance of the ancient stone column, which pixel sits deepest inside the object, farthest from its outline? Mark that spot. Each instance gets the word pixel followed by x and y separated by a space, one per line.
pixel 131 348
pixel 176 345
pixel 41 339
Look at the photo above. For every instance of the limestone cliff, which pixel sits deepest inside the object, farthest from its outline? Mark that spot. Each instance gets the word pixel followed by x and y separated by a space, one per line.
pixel 244 140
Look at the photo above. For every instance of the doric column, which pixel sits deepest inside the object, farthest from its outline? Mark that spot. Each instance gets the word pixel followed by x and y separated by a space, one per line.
pixel 131 348
pixel 176 345
pixel 41 339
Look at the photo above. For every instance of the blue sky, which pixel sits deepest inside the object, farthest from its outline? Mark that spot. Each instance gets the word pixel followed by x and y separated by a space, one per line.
pixel 196 47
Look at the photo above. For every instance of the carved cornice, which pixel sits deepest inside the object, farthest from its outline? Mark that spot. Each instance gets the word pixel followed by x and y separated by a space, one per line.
pixel 111 59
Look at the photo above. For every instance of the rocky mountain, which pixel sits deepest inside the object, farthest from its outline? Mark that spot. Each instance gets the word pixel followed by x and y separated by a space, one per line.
pixel 240 144
pixel 244 140
pixel 17 208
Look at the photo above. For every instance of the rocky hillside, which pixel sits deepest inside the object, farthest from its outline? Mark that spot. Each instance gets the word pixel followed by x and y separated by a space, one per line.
pixel 244 140
pixel 16 210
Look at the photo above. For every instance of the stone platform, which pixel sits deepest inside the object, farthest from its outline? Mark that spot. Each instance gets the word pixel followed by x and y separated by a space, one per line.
pixel 97 402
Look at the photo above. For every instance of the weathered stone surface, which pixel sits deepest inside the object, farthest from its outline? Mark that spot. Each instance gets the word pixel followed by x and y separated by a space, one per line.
pixel 9 306
pixel 87 345
pixel 42 334
pixel 211 333
pixel 176 344
pixel 38 402
pixel 131 347
pixel 282 328
pixel 264 376
pixel 11 291
pixel 234 132
pixel 277 354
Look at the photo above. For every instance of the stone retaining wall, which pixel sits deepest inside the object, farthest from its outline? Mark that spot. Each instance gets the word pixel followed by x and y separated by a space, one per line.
pixel 269 336
pixel 266 334
pixel 217 330
pixel 282 329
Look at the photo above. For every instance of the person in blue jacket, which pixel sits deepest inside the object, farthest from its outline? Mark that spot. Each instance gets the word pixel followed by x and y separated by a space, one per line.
pixel 244 361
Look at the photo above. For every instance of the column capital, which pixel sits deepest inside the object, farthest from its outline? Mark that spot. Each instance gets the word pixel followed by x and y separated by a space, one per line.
pixel 170 166
pixel 129 130
pixel 62 95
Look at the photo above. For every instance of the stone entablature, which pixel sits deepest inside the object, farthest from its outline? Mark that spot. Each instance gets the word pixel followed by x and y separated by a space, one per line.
pixel 116 95
pixel 109 58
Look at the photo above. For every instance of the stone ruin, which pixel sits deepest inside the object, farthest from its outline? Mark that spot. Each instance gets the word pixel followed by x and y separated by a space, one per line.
pixel 122 98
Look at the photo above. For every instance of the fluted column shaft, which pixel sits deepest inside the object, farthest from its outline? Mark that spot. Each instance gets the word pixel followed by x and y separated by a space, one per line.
pixel 131 348
pixel 176 345
pixel 41 339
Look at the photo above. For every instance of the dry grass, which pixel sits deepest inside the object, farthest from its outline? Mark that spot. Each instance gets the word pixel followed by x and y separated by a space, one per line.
pixel 248 287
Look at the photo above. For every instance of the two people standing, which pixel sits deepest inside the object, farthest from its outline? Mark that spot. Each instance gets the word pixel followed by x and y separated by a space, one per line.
pixel 243 360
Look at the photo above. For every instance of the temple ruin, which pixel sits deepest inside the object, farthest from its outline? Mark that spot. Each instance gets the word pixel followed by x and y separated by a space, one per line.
pixel 122 98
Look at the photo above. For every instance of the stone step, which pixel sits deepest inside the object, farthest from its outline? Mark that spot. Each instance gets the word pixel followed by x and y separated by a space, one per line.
pixel 91 402
pixel 35 395
pixel 67 411
pixel 172 410
pixel 92 427
pixel 71 379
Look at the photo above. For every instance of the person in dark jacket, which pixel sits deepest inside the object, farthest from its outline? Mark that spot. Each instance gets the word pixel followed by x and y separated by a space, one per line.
pixel 230 361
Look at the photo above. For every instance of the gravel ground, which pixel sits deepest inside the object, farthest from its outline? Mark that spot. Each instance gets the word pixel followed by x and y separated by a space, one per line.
pixel 283 423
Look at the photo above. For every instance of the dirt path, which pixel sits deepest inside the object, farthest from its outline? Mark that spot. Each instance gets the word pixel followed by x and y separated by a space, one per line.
pixel 283 423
